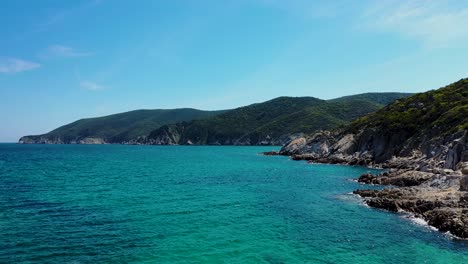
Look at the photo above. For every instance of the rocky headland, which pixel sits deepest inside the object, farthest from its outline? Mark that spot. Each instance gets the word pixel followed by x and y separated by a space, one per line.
pixel 420 141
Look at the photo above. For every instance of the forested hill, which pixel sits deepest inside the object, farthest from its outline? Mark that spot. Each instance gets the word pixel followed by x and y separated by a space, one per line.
pixel 117 128
pixel 271 122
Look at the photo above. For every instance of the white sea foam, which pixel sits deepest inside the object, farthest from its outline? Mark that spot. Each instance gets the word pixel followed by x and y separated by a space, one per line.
pixel 418 220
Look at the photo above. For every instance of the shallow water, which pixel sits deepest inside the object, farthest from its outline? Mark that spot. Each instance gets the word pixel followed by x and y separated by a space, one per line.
pixel 151 204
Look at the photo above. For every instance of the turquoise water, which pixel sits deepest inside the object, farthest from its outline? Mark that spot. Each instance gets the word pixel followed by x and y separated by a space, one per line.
pixel 149 204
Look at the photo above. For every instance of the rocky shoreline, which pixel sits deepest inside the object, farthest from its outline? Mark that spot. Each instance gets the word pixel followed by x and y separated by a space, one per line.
pixel 440 199
pixel 431 185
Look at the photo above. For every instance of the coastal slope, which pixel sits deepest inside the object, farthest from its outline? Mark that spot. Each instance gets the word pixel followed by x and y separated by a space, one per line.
pixel 118 128
pixel 272 122
pixel 266 123
pixel 421 141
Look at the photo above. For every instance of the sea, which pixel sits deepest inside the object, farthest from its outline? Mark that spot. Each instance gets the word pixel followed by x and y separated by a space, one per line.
pixel 197 204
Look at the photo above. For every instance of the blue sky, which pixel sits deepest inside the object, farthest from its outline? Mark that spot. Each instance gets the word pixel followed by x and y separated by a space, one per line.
pixel 65 60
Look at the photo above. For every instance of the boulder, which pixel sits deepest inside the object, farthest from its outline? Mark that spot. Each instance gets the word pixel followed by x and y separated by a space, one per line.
pixel 271 153
pixel 464 168
pixel 367 178
pixel 295 146
pixel 464 183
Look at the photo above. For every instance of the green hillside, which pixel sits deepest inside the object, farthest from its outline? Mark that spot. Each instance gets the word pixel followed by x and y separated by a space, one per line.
pixel 262 123
pixel 269 122
pixel 122 127
pixel 431 114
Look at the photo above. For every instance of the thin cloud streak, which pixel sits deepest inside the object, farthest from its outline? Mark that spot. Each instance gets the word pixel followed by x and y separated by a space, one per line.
pixel 92 86
pixel 61 15
pixel 64 51
pixel 309 9
pixel 435 23
pixel 14 65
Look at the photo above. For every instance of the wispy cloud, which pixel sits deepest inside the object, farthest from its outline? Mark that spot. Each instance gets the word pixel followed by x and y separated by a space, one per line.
pixel 50 20
pixel 435 23
pixel 63 51
pixel 92 86
pixel 309 9
pixel 60 15
pixel 14 65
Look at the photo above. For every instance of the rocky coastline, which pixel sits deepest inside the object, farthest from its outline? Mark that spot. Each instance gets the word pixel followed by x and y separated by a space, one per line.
pixel 430 181
pixel 440 199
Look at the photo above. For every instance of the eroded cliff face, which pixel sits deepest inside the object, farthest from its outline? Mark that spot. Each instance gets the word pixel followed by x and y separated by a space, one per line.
pixel 369 147
pixel 179 135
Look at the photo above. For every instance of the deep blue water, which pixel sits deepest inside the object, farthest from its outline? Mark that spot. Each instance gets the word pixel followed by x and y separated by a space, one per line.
pixel 150 204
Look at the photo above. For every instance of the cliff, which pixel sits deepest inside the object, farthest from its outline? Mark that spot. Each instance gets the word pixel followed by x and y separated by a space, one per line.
pixel 427 131
pixel 422 141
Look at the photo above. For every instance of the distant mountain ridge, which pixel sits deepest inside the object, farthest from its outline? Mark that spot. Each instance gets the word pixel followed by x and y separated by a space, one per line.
pixel 267 123
pixel 119 128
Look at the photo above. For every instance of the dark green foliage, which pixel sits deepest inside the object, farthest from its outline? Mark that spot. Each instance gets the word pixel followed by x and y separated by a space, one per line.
pixel 253 123
pixel 126 126
pixel 276 118
pixel 439 112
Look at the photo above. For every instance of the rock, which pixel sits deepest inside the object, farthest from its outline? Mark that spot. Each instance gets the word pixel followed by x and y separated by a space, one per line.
pixel 464 169
pixel 397 178
pixel 407 178
pixel 295 146
pixel 271 153
pixel 444 208
pixel 345 144
pixel 308 157
pixel 447 171
pixel 367 178
pixel 448 219
pixel 91 140
pixel 384 203
pixel 464 183
pixel 366 193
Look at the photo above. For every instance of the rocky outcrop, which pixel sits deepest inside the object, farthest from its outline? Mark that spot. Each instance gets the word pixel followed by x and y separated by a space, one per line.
pixel 295 146
pixel 432 185
pixel 397 178
pixel 364 149
pixel 421 141
pixel 436 198
pixel 425 132
pixel 91 141
pixel 270 153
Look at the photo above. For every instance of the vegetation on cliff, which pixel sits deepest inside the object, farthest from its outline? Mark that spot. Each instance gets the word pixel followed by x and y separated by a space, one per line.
pixel 444 111
pixel 430 127
pixel 268 122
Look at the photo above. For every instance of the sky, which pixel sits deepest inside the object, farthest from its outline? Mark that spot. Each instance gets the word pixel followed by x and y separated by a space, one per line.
pixel 65 60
